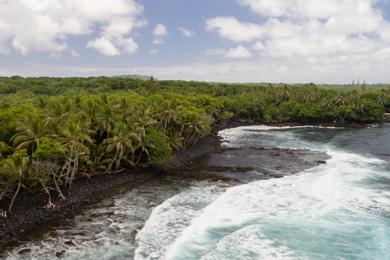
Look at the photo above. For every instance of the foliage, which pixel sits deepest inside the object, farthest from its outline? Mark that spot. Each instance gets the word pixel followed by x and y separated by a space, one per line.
pixel 54 130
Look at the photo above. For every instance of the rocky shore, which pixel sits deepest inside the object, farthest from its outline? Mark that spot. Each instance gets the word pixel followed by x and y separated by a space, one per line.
pixel 208 161
pixel 30 212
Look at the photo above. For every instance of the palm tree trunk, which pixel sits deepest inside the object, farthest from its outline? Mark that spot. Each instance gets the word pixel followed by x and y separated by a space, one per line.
pixel 16 193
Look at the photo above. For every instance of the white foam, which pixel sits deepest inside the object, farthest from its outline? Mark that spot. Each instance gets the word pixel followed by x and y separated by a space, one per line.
pixel 323 196
pixel 169 219
pixel 249 244
pixel 263 135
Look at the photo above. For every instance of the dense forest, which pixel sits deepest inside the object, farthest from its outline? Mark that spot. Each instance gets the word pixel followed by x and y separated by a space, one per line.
pixel 54 130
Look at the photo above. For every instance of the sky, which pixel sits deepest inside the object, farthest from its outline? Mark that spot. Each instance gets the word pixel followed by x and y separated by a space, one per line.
pixel 332 41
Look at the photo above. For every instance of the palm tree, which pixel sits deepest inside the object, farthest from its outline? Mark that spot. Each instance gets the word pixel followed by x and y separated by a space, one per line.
pixel 90 111
pixel 14 169
pixel 175 140
pixel 57 112
pixel 123 143
pixel 107 116
pixel 282 94
pixel 75 137
pixel 30 132
pixel 341 100
pixel 357 103
pixel 167 116
pixel 143 119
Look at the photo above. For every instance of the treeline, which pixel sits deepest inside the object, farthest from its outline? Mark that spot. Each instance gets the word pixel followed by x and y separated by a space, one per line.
pixel 55 130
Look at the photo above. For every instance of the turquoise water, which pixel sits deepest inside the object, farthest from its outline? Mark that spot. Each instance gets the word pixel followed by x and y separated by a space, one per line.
pixel 340 210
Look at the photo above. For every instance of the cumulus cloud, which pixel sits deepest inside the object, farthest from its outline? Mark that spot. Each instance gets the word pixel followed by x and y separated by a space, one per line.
pixel 310 8
pixel 45 25
pixel 239 52
pixel 309 40
pixel 232 29
pixel 309 31
pixel 186 32
pixel 104 46
pixel 160 30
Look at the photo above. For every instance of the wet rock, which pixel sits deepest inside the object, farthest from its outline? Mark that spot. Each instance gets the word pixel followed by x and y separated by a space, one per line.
pixel 250 164
pixel 60 253
pixel 321 162
pixel 24 251
pixel 69 243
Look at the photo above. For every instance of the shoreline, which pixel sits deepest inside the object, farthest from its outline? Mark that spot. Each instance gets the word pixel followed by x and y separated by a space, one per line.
pixel 30 212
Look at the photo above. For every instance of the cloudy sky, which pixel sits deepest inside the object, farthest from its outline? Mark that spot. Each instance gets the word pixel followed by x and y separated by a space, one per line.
pixel 333 41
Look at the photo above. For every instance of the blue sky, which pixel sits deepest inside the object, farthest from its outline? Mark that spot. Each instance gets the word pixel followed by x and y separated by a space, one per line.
pixel 333 41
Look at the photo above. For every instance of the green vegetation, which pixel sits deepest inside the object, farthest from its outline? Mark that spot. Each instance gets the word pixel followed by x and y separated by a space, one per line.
pixel 54 130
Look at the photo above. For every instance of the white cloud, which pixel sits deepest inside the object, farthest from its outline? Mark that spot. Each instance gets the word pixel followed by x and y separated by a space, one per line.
pixel 160 30
pixel 234 30
pixel 127 44
pixel 119 26
pixel 309 40
pixel 310 8
pixel 239 52
pixel 104 46
pixel 45 25
pixel 308 28
pixel 186 32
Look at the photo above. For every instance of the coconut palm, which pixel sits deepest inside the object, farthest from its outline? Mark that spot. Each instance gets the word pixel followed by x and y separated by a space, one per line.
pixel 143 119
pixel 57 112
pixel 14 170
pixel 107 116
pixel 122 143
pixel 341 99
pixel 75 137
pixel 167 116
pixel 30 132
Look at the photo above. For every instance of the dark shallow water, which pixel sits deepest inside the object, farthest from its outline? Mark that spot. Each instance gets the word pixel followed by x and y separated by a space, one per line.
pixel 340 210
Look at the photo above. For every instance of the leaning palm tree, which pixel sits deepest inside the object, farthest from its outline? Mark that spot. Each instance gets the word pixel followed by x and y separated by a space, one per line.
pixel 341 100
pixel 143 119
pixel 75 138
pixel 123 142
pixel 166 116
pixel 13 169
pixel 31 131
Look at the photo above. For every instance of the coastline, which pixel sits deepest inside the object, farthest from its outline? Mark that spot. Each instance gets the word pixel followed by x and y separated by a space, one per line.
pixel 30 213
